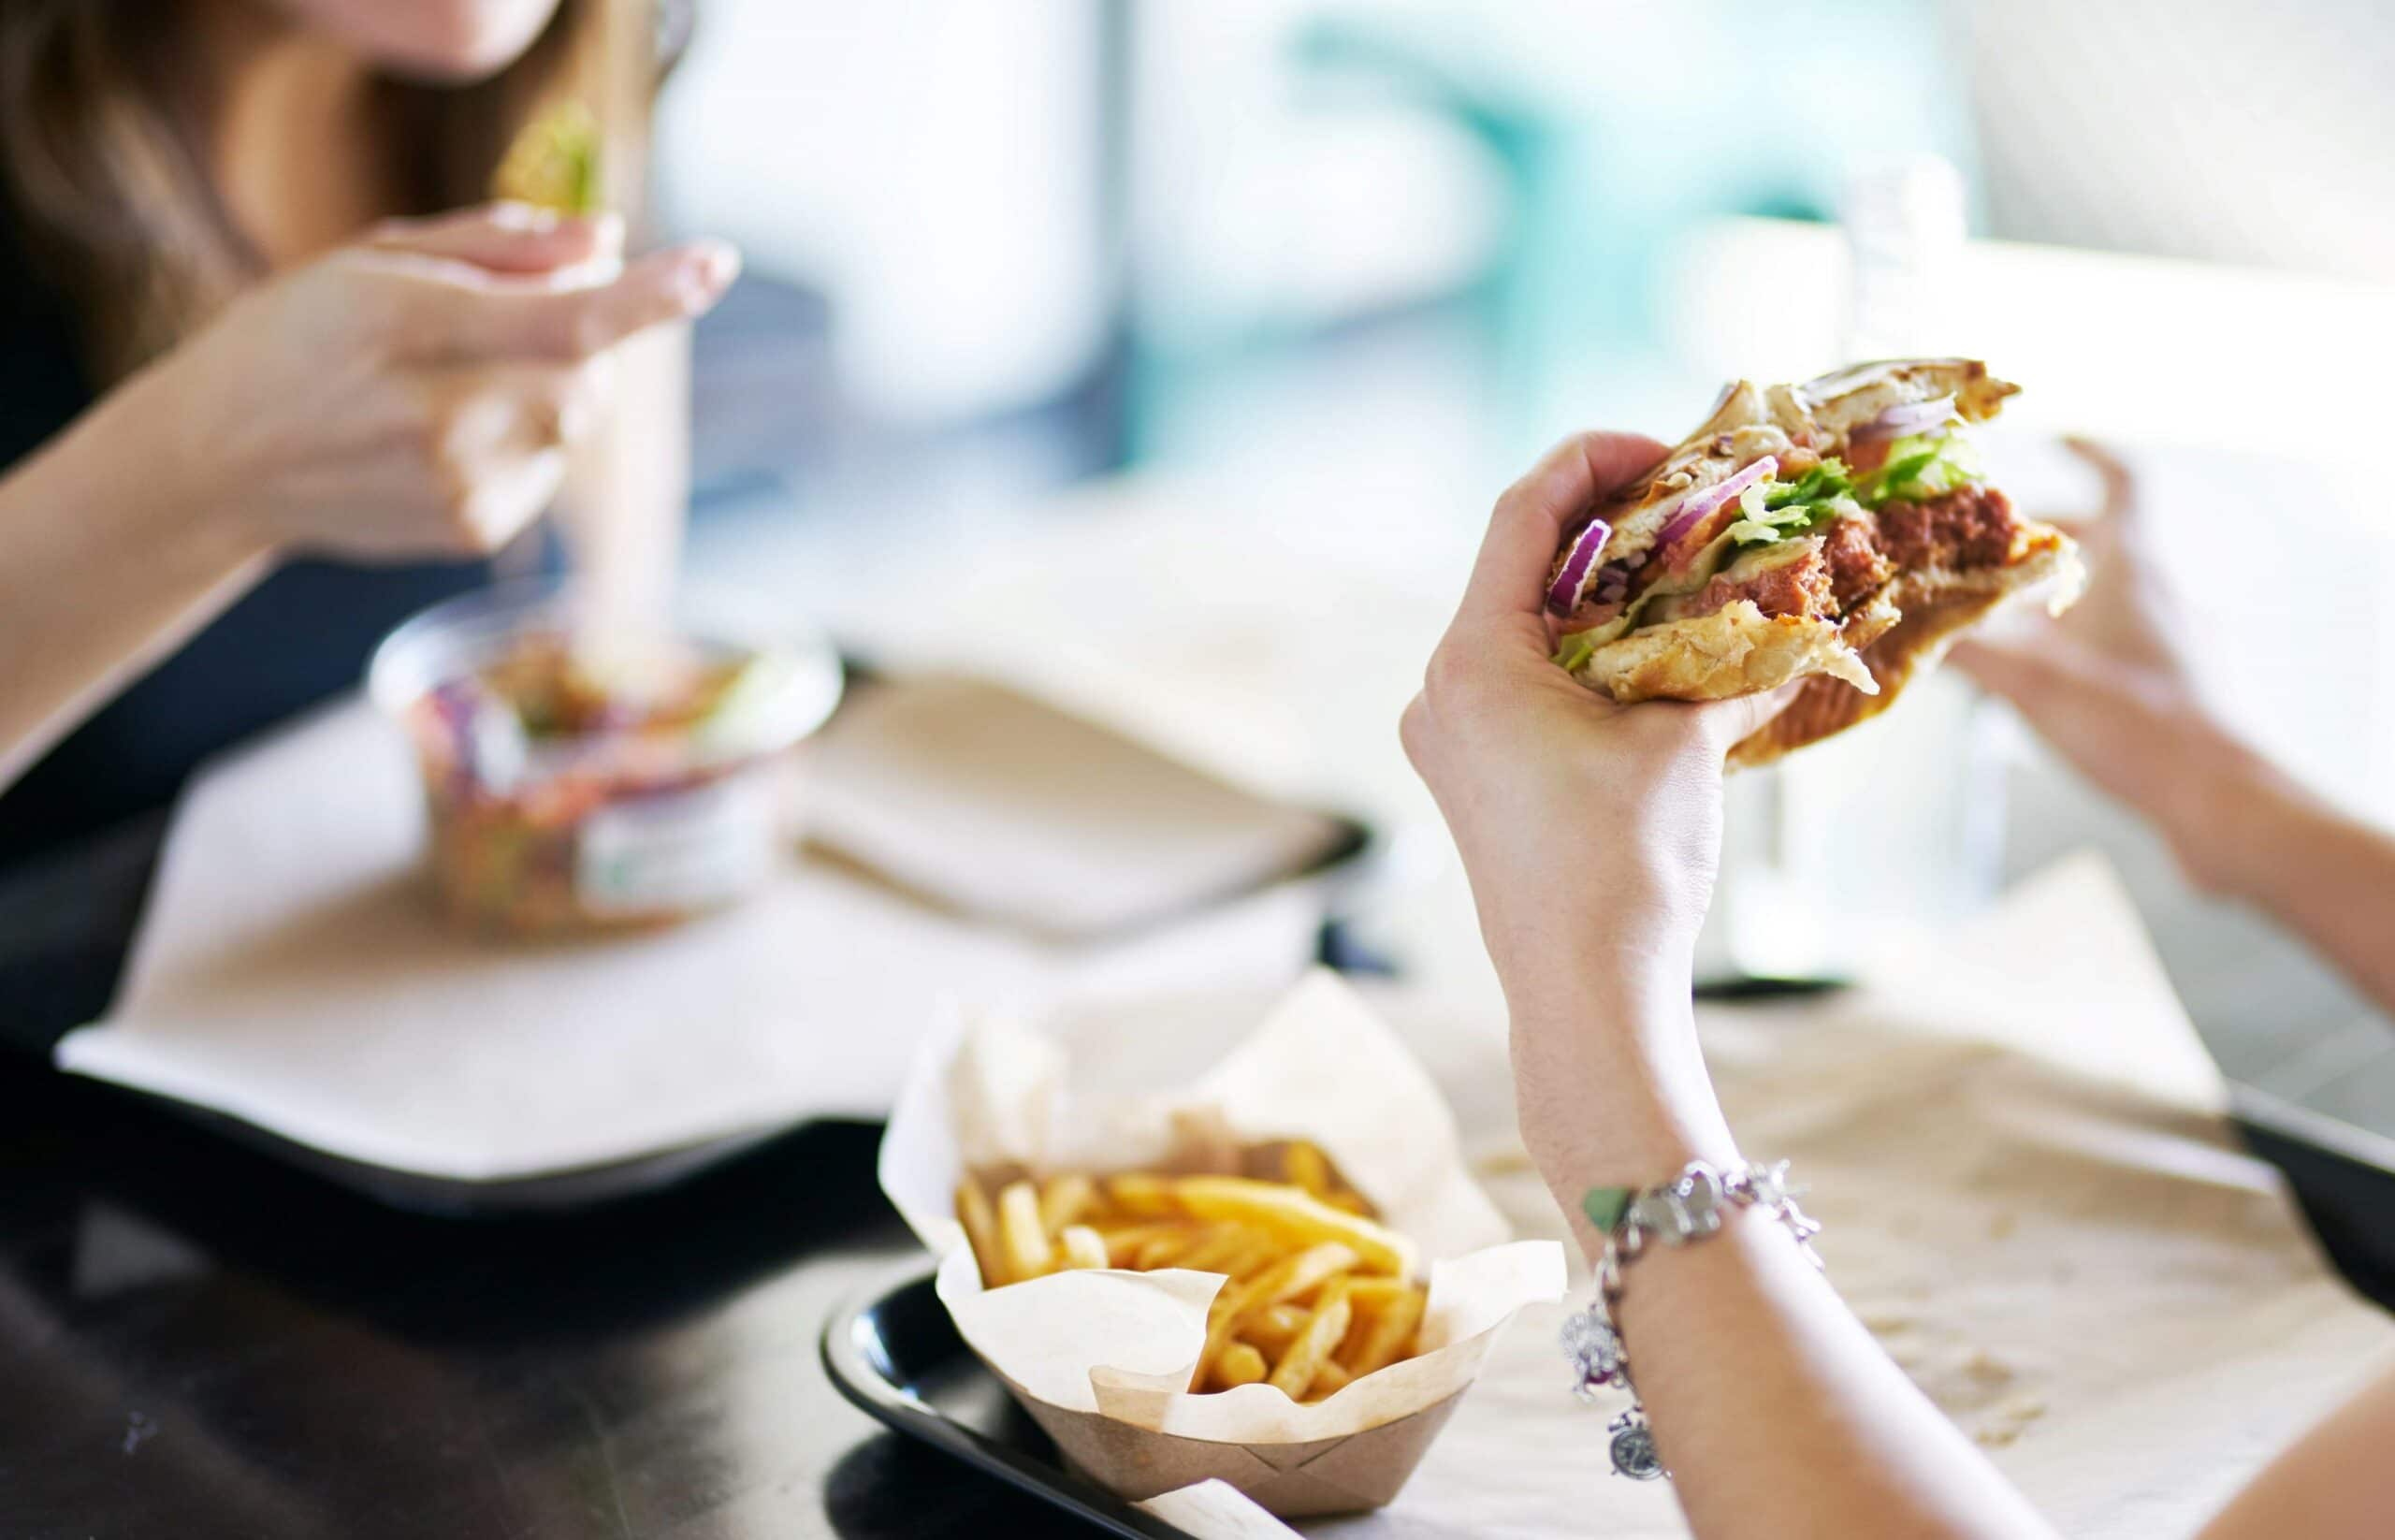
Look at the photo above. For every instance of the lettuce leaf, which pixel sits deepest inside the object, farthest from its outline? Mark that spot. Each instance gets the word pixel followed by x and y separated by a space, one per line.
pixel 1786 510
pixel 1824 481
pixel 1920 467
pixel 1773 511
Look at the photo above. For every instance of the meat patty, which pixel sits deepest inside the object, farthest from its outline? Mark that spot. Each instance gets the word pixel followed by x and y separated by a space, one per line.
pixel 1857 569
pixel 1798 587
pixel 1972 526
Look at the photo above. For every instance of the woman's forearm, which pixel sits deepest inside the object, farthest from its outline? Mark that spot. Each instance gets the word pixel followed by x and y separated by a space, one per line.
pixel 1777 1412
pixel 114 547
pixel 1763 1386
pixel 2246 830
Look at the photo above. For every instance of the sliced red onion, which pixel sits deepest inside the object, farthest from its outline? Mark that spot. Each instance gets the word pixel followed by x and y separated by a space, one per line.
pixel 1700 503
pixel 1897 421
pixel 1571 578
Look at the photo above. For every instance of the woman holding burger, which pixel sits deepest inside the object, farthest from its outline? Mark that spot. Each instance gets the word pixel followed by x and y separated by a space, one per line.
pixel 1773 1409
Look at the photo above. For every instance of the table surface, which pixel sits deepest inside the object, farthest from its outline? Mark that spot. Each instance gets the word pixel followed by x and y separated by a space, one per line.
pixel 196 1341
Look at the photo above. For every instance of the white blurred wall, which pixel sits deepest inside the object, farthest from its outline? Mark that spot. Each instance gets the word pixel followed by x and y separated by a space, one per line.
pixel 931 165
pixel 2248 131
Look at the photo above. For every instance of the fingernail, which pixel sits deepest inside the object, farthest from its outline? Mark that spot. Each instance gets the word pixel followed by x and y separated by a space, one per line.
pixel 531 218
pixel 707 271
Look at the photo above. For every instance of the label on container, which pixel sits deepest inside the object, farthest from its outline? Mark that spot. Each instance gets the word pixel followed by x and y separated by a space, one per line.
pixel 687 850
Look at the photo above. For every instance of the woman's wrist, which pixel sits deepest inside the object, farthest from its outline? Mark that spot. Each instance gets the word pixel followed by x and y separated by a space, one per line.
pixel 187 485
pixel 2229 814
pixel 121 488
pixel 1611 1087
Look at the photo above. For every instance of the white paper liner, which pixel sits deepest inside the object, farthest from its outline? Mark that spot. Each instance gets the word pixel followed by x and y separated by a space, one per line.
pixel 291 972
pixel 993 1092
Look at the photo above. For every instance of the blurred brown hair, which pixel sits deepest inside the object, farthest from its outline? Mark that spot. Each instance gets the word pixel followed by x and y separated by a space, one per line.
pixel 101 163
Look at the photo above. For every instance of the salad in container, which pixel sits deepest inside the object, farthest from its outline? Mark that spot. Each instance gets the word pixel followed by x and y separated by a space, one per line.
pixel 572 790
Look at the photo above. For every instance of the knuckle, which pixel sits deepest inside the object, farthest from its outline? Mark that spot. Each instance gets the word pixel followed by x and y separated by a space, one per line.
pixel 459 527
pixel 585 333
pixel 1452 676
pixel 383 313
pixel 433 432
pixel 574 401
pixel 1413 732
pixel 350 261
pixel 472 527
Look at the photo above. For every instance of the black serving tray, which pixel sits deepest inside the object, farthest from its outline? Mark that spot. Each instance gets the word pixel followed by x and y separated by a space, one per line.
pixel 894 1352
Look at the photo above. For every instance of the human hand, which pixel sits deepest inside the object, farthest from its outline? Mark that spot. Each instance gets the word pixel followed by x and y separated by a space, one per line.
pixel 413 395
pixel 2114 684
pixel 1583 824
pixel 1592 834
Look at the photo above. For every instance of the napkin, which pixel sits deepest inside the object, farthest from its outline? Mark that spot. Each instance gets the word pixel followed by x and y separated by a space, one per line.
pixel 291 971
pixel 1002 806
pixel 1218 1511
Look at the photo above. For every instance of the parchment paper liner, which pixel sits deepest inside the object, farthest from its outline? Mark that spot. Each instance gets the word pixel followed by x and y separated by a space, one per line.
pixel 1101 1358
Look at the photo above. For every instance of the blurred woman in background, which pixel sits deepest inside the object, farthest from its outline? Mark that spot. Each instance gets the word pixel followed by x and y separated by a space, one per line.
pixel 259 397
pixel 227 343
pixel 1592 835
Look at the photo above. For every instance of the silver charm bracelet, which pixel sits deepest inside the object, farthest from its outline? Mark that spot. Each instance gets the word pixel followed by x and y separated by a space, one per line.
pixel 1690 1207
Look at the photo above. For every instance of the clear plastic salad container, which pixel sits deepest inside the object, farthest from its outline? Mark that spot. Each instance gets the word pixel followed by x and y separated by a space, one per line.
pixel 566 798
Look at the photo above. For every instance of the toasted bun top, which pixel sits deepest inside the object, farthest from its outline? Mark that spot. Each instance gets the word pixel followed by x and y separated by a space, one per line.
pixel 1749 421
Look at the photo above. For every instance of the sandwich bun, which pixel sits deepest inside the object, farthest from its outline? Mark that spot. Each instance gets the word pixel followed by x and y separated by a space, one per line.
pixel 1855 663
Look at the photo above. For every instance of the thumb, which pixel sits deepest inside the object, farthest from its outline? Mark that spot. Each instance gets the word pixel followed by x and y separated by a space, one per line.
pixel 1733 722
pixel 532 320
pixel 505 237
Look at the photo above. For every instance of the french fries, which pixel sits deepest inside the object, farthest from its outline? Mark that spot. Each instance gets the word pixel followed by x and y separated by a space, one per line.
pixel 1294 1375
pixel 1241 1364
pixel 1296 1213
pixel 1304 1165
pixel 1272 1327
pixel 1317 1293
pixel 1021 1240
pixel 1064 1200
pixel 1387 1335
pixel 981 1231
pixel 1084 1247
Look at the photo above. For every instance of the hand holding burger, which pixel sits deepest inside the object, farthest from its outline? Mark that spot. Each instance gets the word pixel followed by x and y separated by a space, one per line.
pixel 1839 532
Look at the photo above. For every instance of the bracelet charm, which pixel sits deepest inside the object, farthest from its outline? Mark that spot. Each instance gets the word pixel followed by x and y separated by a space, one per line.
pixel 1690 1207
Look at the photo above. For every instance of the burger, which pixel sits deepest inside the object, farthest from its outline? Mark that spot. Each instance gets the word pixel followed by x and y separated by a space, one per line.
pixel 1840 532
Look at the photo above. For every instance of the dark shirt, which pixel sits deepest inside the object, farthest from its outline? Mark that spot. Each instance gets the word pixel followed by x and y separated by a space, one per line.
pixel 78 832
